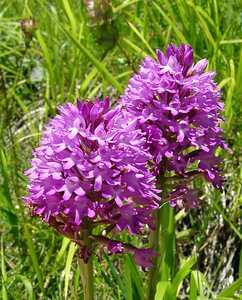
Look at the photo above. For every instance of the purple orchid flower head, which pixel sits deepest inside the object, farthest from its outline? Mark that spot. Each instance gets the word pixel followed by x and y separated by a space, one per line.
pixel 177 105
pixel 92 168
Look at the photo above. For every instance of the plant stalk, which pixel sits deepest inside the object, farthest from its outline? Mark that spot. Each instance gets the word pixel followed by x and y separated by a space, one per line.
pixel 162 240
pixel 86 270
pixel 154 244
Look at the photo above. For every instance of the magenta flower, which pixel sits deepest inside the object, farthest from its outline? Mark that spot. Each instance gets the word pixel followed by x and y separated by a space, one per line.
pixel 92 167
pixel 144 257
pixel 176 105
pixel 100 167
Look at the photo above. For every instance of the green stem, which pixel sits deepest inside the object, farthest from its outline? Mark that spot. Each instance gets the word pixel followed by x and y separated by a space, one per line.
pixel 87 271
pixel 154 244
pixel 163 241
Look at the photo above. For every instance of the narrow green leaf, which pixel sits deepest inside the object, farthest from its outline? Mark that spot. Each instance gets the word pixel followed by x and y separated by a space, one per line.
pixel 127 279
pixel 182 273
pixel 193 288
pixel 27 284
pixel 9 70
pixel 227 42
pixel 64 245
pixel 7 196
pixel 4 273
pixel 137 282
pixel 198 281
pixel 115 275
pixel 138 50
pixel 92 58
pixel 231 290
pixel 232 226
pixel 47 58
pixel 124 5
pixel 240 263
pixel 6 179
pixel 71 252
pixel 34 258
pixel 239 74
pixel 88 79
pixel 161 289
pixel 179 34
pixel 225 81
pixel 71 16
pixel 141 38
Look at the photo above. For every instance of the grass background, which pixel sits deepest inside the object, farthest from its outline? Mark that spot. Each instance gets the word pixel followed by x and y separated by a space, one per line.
pixel 73 54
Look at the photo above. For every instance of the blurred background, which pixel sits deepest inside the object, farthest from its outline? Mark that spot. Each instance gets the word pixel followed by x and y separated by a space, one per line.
pixel 53 51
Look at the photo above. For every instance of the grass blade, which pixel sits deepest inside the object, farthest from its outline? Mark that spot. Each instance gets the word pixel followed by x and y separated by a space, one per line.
pixel 27 285
pixel 240 263
pixel 137 49
pixel 48 61
pixel 7 197
pixel 161 289
pixel 137 284
pixel 127 279
pixel 71 252
pixel 141 38
pixel 4 273
pixel 70 16
pixel 231 290
pixel 124 5
pixel 182 273
pixel 109 77
pixel 236 231
pixel 34 258
pixel 178 33
pixel 60 254
pixel 197 282
pixel 115 275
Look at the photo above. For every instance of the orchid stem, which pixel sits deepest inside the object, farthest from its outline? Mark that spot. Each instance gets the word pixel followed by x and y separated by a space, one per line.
pixel 154 244
pixel 162 240
pixel 86 270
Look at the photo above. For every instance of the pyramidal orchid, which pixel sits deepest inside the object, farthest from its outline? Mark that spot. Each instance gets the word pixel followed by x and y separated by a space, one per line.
pixel 93 169
pixel 99 171
pixel 176 104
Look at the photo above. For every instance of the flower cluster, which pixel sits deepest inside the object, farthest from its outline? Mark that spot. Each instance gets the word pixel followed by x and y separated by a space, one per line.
pixel 98 166
pixel 176 104
pixel 92 168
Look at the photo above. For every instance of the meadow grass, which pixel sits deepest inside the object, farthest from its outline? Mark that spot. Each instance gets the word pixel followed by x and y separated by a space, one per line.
pixel 73 55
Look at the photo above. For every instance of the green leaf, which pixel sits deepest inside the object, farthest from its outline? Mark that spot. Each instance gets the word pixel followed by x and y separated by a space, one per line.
pixel 71 252
pixel 240 263
pixel 161 289
pixel 109 77
pixel 182 273
pixel 4 273
pixel 178 33
pixel 7 196
pixel 70 15
pixel 231 290
pixel 64 245
pixel 141 38
pixel 47 58
pixel 28 285
pixel 137 284
pixel 124 41
pixel 127 279
pixel 197 281
pixel 115 275
pixel 34 258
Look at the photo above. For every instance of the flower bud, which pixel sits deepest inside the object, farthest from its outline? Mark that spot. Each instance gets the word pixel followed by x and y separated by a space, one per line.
pixel 28 27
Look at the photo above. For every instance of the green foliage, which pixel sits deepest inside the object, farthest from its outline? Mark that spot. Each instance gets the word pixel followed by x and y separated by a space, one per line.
pixel 72 53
